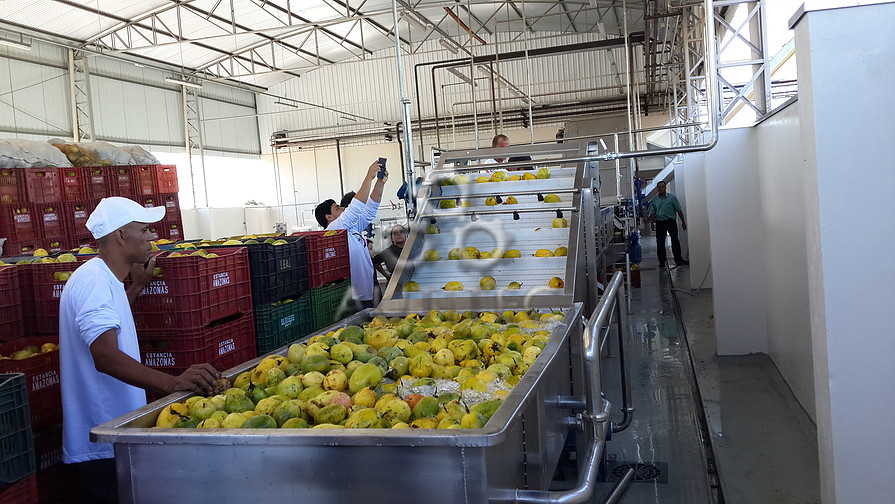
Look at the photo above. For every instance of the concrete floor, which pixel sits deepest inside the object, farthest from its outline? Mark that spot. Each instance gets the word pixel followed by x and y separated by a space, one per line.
pixel 738 437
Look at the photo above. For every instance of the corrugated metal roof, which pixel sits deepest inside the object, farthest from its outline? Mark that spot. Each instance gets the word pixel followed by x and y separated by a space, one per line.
pixel 199 33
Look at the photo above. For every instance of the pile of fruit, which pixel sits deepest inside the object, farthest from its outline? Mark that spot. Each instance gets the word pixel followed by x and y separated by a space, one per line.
pixel 498 176
pixel 30 351
pixel 443 370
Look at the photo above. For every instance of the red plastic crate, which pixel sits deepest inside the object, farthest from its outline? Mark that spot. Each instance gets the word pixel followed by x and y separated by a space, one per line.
pixel 150 200
pixel 12 186
pixel 42 377
pixel 194 291
pixel 20 248
pixel 174 350
pixel 327 256
pixel 166 178
pixel 10 304
pixel 145 177
pixel 43 293
pixel 74 184
pixel 172 229
pixel 124 181
pixel 52 219
pixel 78 242
pixel 172 203
pixel 43 185
pixel 19 222
pixel 99 182
pixel 23 491
pixel 76 215
pixel 48 448
pixel 156 230
pixel 59 485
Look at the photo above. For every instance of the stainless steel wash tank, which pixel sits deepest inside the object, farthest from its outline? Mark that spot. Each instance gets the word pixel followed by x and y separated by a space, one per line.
pixel 517 451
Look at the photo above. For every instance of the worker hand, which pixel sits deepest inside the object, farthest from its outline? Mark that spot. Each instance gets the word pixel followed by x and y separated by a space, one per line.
pixel 199 378
pixel 141 274
pixel 384 178
pixel 684 226
pixel 374 169
pixel 652 225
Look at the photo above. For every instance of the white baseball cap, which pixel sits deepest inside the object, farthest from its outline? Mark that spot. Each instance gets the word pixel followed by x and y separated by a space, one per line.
pixel 115 212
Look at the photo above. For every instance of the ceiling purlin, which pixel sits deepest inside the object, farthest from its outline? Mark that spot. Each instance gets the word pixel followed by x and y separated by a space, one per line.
pixel 382 29
pixel 134 20
pixel 562 5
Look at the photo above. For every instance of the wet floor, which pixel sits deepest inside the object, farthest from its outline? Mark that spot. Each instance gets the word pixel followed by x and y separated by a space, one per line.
pixel 757 444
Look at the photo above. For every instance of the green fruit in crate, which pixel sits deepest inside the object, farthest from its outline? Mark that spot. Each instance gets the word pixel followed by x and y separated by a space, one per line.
pixel 267 405
pixel 256 394
pixel 487 283
pixel 66 258
pixel 332 414
pixel 202 409
pixel 336 380
pixel 296 352
pixel 287 410
pixel 365 397
pixel 399 366
pixel 487 408
pixel 543 173
pixel 187 423
pixel 447 423
pixel 280 242
pixel 351 331
pixel 367 418
pixel 396 412
pixel 317 349
pixel 380 363
pixel 389 353
pixel 455 254
pixel 312 379
pixel 310 393
pixel 421 365
pixel 364 352
pixel 260 422
pixel 341 353
pixel 426 407
pixel 473 421
pixel 424 423
pixel 382 338
pixel 431 255
pixel 238 403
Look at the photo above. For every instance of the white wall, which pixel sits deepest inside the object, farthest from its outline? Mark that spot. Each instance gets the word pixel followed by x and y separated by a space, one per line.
pixel 781 167
pixel 734 209
pixel 845 68
pixel 691 174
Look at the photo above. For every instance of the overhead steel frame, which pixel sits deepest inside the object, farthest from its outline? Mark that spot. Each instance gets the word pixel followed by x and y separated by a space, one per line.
pixel 192 131
pixel 754 92
pixel 81 101
pixel 689 86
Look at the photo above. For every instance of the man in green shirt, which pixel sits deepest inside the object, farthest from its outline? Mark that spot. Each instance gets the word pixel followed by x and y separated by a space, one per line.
pixel 662 210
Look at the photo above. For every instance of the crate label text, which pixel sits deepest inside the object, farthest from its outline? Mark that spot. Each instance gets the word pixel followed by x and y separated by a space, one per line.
pixel 220 279
pixel 22 218
pixel 284 264
pixel 329 253
pixel 164 359
pixel 287 322
pixel 155 287
pixel 49 217
pixel 226 347
pixel 57 290
pixel 44 380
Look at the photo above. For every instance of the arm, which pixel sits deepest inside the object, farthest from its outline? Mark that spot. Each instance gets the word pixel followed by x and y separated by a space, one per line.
pixel 108 359
pixel 364 192
pixel 683 223
pixel 382 270
pixel 372 208
pixel 652 215
pixel 141 275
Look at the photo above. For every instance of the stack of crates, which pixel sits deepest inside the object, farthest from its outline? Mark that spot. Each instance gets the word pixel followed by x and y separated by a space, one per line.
pixel 279 277
pixel 329 269
pixel 196 310
pixel 11 319
pixel 41 375
pixel 48 207
pixel 18 483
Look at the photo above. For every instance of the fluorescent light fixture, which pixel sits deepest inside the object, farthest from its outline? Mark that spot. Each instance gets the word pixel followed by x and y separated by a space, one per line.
pixel 285 104
pixel 172 80
pixel 415 19
pixel 139 65
pixel 347 118
pixel 15 43
pixel 449 44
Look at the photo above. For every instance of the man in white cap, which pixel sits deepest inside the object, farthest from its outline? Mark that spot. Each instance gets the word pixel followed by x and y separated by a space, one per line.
pixel 102 376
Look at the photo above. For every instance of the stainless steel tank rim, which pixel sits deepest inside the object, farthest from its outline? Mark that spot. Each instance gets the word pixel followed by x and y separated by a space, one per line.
pixel 116 431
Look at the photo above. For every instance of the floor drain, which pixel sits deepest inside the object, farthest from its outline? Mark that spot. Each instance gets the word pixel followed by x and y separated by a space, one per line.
pixel 642 471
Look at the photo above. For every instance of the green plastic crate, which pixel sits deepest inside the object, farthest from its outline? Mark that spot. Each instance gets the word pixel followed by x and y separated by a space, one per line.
pixel 305 317
pixel 331 303
pixel 16 441
pixel 276 325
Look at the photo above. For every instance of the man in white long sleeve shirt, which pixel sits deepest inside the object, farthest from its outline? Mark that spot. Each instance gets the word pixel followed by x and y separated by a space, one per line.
pixel 355 218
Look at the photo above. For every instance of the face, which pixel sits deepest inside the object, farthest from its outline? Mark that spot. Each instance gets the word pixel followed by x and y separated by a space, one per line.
pixel 335 212
pixel 661 187
pixel 502 142
pixel 398 235
pixel 370 248
pixel 136 237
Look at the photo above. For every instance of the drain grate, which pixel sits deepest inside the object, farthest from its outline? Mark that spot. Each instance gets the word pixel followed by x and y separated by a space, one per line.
pixel 642 472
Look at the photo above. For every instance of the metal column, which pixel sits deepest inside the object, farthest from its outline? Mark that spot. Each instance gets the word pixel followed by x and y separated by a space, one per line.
pixel 81 102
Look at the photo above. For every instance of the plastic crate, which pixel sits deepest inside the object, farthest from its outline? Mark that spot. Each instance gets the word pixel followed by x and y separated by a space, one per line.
pixel 19 222
pixel 172 203
pixel 278 271
pixel 328 259
pixel 124 181
pixel 174 350
pixel 145 177
pixel 23 491
pixel 166 178
pixel 78 242
pixel 41 378
pixel 43 185
pixel 20 248
pixel 74 184
pixel 52 219
pixel 149 200
pixel 276 324
pixel 305 316
pixel 43 291
pixel 47 448
pixel 76 215
pixel 194 291
pixel 171 229
pixel 10 304
pixel 99 182
pixel 12 186
pixel 16 444
pixel 331 303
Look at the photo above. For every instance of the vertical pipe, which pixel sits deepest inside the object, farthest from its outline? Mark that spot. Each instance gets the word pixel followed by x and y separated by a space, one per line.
pixel 493 99
pixel 497 69
pixel 531 122
pixel 189 150
pixel 339 161
pixel 294 192
pixel 475 105
pixel 405 111
pixel 76 135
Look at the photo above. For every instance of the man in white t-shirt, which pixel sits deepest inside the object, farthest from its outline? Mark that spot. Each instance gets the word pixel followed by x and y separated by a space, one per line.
pixel 499 141
pixel 102 376
pixel 355 218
